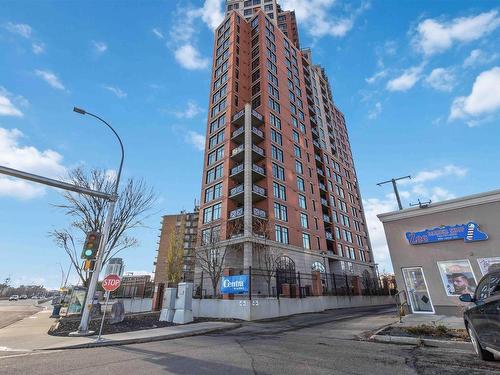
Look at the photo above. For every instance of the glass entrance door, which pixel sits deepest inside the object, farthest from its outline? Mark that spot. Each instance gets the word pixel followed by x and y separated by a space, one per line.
pixel 418 294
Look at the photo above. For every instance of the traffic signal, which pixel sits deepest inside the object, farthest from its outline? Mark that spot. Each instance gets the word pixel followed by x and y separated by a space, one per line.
pixel 91 246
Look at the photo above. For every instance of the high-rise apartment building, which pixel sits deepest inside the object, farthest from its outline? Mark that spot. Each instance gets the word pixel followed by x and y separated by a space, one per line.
pixel 277 151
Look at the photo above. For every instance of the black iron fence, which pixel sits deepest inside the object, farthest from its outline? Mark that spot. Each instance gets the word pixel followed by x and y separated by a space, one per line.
pixel 288 283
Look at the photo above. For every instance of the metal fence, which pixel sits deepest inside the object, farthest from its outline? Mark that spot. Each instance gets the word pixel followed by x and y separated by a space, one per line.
pixel 283 283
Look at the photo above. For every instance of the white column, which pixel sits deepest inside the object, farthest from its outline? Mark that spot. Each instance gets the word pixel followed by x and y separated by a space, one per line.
pixel 247 219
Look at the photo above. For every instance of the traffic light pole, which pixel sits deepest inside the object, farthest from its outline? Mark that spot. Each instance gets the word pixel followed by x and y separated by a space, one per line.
pixel 83 329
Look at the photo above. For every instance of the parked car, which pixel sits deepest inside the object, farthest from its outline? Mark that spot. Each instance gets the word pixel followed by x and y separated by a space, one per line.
pixel 23 296
pixel 14 297
pixel 482 318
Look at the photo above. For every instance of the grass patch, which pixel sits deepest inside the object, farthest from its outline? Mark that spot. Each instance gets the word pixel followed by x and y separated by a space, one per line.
pixel 428 330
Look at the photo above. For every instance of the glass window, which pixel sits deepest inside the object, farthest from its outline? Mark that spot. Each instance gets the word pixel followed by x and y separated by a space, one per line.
pixel 304 220
pixel 300 184
pixel 280 212
pixel 279 191
pixel 299 167
pixel 306 241
pixel 281 234
pixel 302 202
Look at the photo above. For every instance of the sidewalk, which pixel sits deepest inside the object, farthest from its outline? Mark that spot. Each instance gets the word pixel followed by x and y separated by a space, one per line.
pixel 30 334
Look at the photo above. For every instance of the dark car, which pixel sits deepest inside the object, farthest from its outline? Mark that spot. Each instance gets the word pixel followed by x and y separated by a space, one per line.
pixel 482 318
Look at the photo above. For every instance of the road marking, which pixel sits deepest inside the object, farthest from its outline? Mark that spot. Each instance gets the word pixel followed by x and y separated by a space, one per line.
pixel 29 353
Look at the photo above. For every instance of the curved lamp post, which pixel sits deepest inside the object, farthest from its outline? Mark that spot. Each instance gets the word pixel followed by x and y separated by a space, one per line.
pixel 83 329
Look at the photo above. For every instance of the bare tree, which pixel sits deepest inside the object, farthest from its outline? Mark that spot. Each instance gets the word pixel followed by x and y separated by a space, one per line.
pixel 211 255
pixel 175 253
pixel 266 255
pixel 88 215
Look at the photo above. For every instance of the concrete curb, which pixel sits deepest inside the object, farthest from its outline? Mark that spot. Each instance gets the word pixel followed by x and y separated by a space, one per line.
pixel 140 340
pixel 461 345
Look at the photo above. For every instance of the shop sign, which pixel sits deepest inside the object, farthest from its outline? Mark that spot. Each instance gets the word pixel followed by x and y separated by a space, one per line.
pixel 468 232
pixel 234 284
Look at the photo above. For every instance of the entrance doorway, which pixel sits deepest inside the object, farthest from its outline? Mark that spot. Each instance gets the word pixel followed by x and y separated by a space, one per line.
pixel 418 293
pixel 285 272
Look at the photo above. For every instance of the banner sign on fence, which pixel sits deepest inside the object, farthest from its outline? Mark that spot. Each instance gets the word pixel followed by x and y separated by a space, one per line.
pixel 468 232
pixel 234 284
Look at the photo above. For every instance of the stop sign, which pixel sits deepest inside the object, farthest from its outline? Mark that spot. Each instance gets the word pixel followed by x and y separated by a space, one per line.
pixel 111 283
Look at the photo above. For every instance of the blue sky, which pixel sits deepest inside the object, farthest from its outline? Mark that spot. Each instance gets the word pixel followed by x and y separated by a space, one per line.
pixel 419 83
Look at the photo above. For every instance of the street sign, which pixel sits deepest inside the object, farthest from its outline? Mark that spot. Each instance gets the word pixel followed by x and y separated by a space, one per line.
pixel 111 283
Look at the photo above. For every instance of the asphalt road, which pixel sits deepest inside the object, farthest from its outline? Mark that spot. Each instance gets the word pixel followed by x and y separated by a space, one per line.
pixel 326 343
pixel 12 311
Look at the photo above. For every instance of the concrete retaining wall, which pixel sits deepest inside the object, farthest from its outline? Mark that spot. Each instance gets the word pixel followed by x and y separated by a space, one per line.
pixel 135 305
pixel 273 308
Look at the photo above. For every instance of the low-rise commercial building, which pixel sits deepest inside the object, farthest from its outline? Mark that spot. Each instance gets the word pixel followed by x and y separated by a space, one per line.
pixel 442 250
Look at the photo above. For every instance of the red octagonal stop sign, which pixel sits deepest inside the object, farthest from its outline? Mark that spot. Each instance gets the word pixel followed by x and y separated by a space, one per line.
pixel 111 283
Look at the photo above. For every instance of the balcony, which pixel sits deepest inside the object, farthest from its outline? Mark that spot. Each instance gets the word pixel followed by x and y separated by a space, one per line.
pixel 239 135
pixel 328 235
pixel 316 144
pixel 318 158
pixel 237 173
pixel 324 202
pixel 320 172
pixel 237 193
pixel 235 214
pixel 326 219
pixel 238 154
pixel 239 118
pixel 322 186
pixel 239 212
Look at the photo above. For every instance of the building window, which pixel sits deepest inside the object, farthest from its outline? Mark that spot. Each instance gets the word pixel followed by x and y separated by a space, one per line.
pixel 281 234
pixel 298 167
pixel 212 213
pixel 213 192
pixel 215 156
pixel 216 139
pixel 217 123
pixel 300 184
pixel 214 174
pixel 277 153
pixel 302 202
pixel 278 172
pixel 275 121
pixel 297 151
pixel 304 220
pixel 280 212
pixel 279 191
pixel 306 241
pixel 276 137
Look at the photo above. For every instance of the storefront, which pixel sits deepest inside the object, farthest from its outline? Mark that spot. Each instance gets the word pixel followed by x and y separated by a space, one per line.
pixel 442 251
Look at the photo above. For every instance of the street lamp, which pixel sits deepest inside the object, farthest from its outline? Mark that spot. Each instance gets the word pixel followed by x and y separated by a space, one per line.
pixel 83 329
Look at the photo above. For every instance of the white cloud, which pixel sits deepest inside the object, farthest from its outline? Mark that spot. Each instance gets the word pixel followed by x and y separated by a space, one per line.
pixel 484 98
pixel 158 33
pixel 191 111
pixel 184 29
pixel 50 78
pixel 7 107
pixel 189 57
pixel 433 36
pixel 449 170
pixel 478 57
pixel 375 112
pixel 374 207
pixel 319 20
pixel 100 47
pixel 377 76
pixel 38 47
pixel 21 29
pixel 117 91
pixel 195 139
pixel 441 79
pixel 406 80
pixel 29 159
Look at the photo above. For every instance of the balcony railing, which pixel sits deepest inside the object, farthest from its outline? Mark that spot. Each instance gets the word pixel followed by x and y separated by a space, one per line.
pixel 316 144
pixel 322 186
pixel 238 131
pixel 239 114
pixel 324 202
pixel 328 235
pixel 258 150
pixel 257 115
pixel 320 172
pixel 237 150
pixel 259 213
pixel 259 190
pixel 235 170
pixel 236 190
pixel 318 158
pixel 326 218
pixel 258 169
pixel 236 213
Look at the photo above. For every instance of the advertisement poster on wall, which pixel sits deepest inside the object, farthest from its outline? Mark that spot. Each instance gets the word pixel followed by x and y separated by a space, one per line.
pixel 488 264
pixel 457 277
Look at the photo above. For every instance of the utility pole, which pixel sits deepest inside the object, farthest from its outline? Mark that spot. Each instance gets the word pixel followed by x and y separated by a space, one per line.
pixel 395 187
